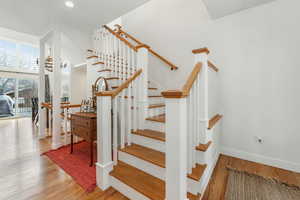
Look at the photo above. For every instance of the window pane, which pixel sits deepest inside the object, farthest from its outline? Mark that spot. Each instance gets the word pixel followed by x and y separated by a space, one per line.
pixel 18 55
pixel 28 57
pixel 11 53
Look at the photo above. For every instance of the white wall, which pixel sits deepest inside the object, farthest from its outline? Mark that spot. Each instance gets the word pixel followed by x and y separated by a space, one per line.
pixel 257 52
pixel 78 84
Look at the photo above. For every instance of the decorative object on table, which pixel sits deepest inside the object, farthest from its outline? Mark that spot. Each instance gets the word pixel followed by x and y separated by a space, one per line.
pixel 87 106
pixel 100 85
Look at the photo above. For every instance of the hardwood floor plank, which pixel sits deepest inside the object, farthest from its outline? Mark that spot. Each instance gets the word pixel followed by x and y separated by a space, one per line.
pixel 25 175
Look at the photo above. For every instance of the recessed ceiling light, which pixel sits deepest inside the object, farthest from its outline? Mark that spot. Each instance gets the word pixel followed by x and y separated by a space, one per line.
pixel 69 4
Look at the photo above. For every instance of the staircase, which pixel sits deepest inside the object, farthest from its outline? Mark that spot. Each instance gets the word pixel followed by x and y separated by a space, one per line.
pixel 151 144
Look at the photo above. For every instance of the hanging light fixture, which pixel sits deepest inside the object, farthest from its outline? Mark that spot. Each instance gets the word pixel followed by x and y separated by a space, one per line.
pixel 69 4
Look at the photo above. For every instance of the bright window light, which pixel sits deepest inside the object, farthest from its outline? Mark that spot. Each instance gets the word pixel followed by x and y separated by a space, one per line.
pixel 69 4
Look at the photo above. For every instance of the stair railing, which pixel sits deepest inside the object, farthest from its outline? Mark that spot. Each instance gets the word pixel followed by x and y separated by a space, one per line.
pixel 120 110
pixel 127 36
pixel 186 125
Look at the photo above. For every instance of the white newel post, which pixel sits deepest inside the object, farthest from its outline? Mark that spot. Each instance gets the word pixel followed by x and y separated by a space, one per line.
pixel 142 63
pixel 56 136
pixel 104 163
pixel 203 88
pixel 176 148
pixel 41 92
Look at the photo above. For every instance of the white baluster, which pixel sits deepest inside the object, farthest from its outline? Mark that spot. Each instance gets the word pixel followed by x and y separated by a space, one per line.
pixel 65 125
pixel 135 93
pixel 115 130
pixel 122 100
pixel 198 109
pixel 189 130
pixel 129 100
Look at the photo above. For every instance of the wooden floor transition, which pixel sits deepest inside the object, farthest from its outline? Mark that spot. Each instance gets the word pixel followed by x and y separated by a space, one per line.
pixel 24 174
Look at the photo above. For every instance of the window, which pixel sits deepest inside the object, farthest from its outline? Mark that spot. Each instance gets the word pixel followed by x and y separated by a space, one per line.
pixel 21 91
pixel 18 55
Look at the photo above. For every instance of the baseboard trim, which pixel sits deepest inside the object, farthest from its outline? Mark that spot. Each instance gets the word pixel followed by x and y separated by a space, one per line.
pixel 210 172
pixel 287 165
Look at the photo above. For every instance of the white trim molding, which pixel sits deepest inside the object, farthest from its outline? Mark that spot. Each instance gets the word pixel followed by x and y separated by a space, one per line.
pixel 287 165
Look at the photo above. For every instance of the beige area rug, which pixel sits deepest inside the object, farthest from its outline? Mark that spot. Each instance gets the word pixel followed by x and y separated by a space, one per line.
pixel 245 186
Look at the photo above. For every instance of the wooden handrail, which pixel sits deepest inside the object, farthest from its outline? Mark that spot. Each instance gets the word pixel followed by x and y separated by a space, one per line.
pixel 63 105
pixel 71 106
pixel 120 31
pixel 185 91
pixel 213 121
pixel 173 67
pixel 211 65
pixel 47 105
pixel 121 38
pixel 115 92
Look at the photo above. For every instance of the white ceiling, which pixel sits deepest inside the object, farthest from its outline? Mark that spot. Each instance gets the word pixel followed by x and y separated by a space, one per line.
pixel 36 16
pixel 221 8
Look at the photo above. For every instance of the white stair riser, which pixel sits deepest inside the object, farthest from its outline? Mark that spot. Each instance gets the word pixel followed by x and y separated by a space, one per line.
pixel 154 92
pixel 156 171
pixel 104 74
pixel 156 126
pixel 202 157
pixel 113 82
pixel 145 166
pixel 155 100
pixel 156 111
pixel 148 142
pixel 127 190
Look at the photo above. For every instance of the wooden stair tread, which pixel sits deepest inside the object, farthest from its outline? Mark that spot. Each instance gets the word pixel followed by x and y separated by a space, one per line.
pixel 144 183
pixel 158 158
pixel 158 118
pixel 154 96
pixel 159 105
pixel 147 154
pixel 90 57
pixel 203 147
pixel 151 134
pixel 112 78
pixel 105 70
pixel 191 196
pixel 98 63
pixel 115 87
pixel 197 172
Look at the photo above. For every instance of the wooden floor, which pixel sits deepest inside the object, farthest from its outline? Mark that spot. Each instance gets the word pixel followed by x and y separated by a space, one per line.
pixel 24 174
pixel 217 186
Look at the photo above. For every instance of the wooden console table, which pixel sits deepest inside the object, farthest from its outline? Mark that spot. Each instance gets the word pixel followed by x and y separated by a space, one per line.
pixel 84 125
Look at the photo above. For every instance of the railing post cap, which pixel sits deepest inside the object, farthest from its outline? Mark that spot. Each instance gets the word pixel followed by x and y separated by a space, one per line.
pixel 173 94
pixel 201 50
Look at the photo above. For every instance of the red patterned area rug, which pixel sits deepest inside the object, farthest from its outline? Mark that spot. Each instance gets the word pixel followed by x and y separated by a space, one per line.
pixel 76 164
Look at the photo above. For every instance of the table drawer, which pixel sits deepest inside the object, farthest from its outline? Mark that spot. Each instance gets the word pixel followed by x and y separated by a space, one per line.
pixel 84 122
pixel 81 132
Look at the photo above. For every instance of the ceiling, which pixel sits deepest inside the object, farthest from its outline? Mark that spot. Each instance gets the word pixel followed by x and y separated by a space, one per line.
pixel 36 16
pixel 221 8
